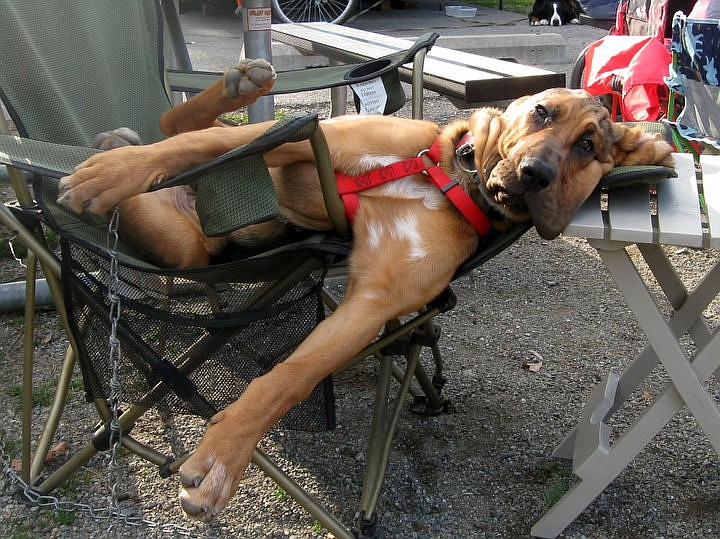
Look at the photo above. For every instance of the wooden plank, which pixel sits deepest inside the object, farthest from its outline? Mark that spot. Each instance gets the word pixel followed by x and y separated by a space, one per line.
pixel 470 78
pixel 629 215
pixel 351 44
pixel 711 189
pixel 587 221
pixel 679 218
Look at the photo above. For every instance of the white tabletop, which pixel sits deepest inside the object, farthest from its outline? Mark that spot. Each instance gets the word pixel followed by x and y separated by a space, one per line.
pixel 628 214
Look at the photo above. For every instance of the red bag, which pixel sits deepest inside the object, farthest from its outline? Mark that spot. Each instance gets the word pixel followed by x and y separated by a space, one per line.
pixel 631 67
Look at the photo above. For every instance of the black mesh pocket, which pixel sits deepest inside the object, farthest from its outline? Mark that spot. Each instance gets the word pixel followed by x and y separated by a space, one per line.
pixel 192 340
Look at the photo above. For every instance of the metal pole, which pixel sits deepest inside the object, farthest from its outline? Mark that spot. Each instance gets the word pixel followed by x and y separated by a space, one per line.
pixel 256 15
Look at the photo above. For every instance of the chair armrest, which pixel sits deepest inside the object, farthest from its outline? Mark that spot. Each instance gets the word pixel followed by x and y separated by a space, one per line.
pixel 190 81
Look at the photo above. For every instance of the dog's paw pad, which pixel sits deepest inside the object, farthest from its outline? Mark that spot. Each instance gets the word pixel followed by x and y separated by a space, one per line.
pixel 249 77
pixel 123 136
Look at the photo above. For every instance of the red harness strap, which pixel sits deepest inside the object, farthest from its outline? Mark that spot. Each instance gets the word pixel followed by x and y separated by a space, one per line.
pixel 350 186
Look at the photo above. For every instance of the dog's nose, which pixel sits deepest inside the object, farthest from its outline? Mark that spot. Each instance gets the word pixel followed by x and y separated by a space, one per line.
pixel 535 173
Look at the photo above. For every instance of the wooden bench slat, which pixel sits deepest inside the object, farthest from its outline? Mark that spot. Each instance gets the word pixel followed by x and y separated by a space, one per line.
pixel 711 190
pixel 679 217
pixel 468 78
pixel 629 214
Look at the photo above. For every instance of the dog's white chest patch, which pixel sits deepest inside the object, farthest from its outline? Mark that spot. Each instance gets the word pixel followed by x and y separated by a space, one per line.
pixel 403 231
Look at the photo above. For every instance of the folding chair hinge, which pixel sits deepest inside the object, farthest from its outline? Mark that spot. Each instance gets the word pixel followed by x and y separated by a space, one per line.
pixel 398 347
pixel 27 215
pixel 422 404
pixel 427 336
pixel 445 301
pixel 101 438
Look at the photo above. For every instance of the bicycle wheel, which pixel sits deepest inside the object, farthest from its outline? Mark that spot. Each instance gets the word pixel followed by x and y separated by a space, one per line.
pixel 335 11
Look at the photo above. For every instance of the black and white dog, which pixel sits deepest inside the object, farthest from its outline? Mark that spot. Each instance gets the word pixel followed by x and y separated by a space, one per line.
pixel 554 12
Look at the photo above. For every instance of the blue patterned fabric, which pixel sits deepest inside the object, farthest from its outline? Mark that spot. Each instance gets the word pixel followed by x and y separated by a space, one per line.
pixel 696 46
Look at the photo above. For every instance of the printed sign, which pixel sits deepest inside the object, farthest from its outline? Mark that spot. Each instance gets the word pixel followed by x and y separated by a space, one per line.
pixel 372 96
pixel 258 18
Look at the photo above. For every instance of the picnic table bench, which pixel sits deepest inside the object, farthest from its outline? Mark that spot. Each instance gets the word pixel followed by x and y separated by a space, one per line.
pixel 468 80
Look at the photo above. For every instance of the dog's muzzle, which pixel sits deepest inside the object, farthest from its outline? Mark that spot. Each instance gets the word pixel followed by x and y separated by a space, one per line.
pixel 536 174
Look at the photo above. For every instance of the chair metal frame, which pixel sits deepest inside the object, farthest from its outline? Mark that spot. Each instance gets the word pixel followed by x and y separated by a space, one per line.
pixel 30 234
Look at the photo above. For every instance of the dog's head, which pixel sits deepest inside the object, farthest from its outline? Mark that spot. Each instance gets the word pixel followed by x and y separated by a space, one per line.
pixel 543 156
pixel 553 12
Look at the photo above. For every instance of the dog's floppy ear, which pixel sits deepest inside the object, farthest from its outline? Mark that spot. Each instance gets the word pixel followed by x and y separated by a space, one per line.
pixel 486 125
pixel 633 146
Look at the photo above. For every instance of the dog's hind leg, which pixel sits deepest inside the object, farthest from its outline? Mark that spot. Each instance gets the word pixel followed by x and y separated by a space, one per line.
pixel 239 86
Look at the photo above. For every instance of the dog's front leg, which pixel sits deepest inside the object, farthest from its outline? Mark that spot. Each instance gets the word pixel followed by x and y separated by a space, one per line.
pixel 397 266
pixel 103 180
pixel 211 476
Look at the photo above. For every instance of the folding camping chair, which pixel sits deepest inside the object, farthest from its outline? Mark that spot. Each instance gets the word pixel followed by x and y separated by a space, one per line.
pixel 694 76
pixel 180 331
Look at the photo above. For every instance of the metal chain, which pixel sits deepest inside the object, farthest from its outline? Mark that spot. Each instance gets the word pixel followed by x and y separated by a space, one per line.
pixel 37 499
pixel 115 435
pixel 115 355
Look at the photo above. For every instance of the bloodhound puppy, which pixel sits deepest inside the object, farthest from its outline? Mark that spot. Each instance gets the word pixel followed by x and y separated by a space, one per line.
pixel 537 160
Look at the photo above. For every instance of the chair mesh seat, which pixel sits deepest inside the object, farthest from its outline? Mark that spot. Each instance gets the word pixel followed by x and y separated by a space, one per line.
pixel 192 339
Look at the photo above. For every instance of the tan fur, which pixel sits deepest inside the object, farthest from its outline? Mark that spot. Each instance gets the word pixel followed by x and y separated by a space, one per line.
pixel 549 132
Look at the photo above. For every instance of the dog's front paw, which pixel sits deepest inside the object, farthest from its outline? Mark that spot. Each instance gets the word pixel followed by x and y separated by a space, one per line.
pixel 105 179
pixel 249 79
pixel 212 474
pixel 123 136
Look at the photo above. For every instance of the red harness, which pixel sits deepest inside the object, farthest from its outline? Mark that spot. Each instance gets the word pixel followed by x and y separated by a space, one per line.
pixel 350 186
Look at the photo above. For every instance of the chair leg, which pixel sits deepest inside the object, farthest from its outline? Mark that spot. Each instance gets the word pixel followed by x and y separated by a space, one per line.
pixel 28 357
pixel 382 433
pixel 309 503
pixel 54 414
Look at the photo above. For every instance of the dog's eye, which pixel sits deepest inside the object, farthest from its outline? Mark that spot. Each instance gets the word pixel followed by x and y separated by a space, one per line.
pixel 541 112
pixel 586 145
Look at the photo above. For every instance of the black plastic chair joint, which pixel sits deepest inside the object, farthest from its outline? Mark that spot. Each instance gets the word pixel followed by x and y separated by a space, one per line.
pixel 101 438
pixel 445 301
pixel 27 215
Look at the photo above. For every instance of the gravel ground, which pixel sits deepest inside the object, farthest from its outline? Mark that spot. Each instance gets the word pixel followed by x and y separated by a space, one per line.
pixel 484 469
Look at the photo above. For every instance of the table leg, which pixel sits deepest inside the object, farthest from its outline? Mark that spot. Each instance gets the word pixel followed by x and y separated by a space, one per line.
pixel 674 359
pixel 601 466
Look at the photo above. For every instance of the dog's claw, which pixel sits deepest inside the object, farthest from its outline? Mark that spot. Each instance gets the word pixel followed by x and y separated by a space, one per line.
pixel 194 511
pixel 187 481
pixel 249 77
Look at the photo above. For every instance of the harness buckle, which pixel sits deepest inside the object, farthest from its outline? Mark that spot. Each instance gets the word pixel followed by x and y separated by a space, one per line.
pixel 427 153
pixel 465 157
